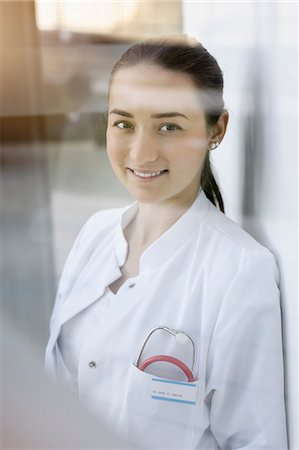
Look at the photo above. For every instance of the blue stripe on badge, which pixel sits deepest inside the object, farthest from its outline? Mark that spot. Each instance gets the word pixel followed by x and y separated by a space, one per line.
pixel 174 382
pixel 173 400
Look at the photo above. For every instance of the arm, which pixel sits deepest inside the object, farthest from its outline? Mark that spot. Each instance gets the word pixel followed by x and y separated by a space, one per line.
pixel 245 386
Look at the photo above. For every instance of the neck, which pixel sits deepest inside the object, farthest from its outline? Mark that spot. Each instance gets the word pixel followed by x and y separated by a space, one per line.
pixel 153 220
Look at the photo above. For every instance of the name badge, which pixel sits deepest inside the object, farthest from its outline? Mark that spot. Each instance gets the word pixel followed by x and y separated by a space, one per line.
pixel 173 391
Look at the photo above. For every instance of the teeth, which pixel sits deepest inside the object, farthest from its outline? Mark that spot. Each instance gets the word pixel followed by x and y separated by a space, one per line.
pixel 147 175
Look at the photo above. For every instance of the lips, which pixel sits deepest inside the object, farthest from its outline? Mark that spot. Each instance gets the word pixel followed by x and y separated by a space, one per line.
pixel 148 174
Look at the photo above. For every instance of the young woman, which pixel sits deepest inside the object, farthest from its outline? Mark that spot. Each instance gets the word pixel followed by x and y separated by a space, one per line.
pixel 167 321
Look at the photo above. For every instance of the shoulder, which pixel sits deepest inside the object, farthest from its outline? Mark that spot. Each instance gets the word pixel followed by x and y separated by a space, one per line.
pixel 100 222
pixel 95 234
pixel 107 216
pixel 97 231
pixel 224 230
pixel 230 246
pixel 243 272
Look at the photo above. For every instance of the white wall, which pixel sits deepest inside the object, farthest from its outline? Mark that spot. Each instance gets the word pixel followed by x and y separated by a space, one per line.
pixel 256 45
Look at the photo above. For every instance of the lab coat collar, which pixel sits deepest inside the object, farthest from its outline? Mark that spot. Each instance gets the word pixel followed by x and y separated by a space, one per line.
pixel 169 242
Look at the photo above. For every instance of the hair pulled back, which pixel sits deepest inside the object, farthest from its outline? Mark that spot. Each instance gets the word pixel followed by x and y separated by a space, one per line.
pixel 188 56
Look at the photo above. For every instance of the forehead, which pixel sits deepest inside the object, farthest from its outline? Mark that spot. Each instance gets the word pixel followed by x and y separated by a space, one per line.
pixel 150 87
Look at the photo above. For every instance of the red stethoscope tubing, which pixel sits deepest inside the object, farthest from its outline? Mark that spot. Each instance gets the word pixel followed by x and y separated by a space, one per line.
pixel 170 359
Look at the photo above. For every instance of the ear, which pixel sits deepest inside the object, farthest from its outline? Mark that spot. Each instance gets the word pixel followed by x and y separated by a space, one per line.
pixel 217 131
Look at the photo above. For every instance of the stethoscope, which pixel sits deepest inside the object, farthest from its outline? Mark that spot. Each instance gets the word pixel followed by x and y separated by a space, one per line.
pixel 182 338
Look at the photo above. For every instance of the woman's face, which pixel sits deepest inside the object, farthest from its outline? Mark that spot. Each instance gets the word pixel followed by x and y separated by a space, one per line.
pixel 157 136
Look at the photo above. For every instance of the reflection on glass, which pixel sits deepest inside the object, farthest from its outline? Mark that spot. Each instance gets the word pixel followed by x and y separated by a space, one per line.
pixel 119 18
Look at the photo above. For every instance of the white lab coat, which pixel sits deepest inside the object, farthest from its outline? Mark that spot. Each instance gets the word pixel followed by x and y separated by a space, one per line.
pixel 205 276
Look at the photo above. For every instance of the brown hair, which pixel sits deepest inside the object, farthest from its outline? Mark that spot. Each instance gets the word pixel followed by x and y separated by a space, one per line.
pixel 188 56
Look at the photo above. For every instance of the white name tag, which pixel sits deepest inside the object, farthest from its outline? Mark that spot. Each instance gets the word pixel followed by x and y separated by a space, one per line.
pixel 173 391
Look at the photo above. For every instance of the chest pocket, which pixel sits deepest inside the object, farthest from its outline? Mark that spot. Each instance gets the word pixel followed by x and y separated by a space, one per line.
pixel 153 417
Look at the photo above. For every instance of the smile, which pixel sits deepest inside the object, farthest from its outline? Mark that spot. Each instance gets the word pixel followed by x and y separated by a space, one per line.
pixel 148 174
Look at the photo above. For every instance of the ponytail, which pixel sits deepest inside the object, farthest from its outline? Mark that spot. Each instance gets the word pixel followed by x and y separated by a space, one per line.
pixel 210 186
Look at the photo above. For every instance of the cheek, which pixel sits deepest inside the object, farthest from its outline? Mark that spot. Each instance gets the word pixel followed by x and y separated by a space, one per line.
pixel 190 165
pixel 197 143
pixel 188 153
pixel 113 147
pixel 190 142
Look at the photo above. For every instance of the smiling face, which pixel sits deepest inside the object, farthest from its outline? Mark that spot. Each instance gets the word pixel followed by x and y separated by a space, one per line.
pixel 157 136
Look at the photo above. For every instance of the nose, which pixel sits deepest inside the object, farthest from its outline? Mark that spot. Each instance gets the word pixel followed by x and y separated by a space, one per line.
pixel 143 149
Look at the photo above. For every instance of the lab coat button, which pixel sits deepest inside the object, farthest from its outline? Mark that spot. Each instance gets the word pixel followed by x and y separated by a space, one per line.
pixel 92 364
pixel 131 285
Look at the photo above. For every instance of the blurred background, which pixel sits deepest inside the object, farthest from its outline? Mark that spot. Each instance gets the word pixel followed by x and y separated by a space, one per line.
pixel 56 57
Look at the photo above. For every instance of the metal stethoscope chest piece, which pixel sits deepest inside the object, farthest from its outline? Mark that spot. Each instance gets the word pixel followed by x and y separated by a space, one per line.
pixel 182 338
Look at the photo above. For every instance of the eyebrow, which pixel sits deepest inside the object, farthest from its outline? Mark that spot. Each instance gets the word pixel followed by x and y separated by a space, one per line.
pixel 154 116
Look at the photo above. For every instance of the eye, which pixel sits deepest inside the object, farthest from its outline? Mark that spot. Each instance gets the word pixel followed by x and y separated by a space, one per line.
pixel 123 125
pixel 170 127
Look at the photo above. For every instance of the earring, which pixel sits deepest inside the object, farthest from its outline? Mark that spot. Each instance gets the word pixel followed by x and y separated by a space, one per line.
pixel 214 145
